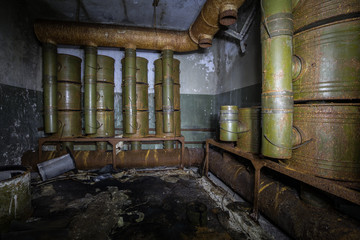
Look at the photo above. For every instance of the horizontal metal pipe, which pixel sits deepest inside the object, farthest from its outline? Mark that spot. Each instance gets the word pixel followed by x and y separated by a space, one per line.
pixel 282 204
pixel 106 35
pixel 125 159
pixel 201 32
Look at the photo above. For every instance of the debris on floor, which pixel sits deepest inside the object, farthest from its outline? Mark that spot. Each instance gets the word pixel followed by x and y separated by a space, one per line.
pixel 147 204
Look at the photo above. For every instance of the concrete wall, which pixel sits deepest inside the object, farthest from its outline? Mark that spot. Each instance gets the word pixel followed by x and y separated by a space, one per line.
pixel 20 83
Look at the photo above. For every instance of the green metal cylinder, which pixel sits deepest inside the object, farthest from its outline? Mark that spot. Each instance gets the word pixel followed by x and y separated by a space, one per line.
pixel 68 145
pixel 50 87
pixel 141 127
pixel 69 124
pixel 229 123
pixel 158 97
pixel 68 96
pixel 159 130
pixel 168 91
pixel 277 95
pixel 105 96
pixel 331 62
pixel 105 124
pixel 159 74
pixel 68 68
pixel 141 70
pixel 249 129
pixel 129 95
pixel 105 69
pixel 334 151
pixel 142 96
pixel 15 195
pixel 135 146
pixel 312 12
pixel 90 89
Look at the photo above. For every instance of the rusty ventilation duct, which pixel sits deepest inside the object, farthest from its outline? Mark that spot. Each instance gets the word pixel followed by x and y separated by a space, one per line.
pixel 200 34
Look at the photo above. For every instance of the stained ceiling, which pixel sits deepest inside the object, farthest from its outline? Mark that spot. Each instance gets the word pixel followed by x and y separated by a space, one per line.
pixel 169 14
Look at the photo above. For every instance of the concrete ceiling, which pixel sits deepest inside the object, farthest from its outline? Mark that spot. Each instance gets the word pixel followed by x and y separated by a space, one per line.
pixel 170 14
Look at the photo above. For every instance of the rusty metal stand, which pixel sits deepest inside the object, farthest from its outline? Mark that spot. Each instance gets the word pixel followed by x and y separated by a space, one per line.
pixel 325 185
pixel 113 141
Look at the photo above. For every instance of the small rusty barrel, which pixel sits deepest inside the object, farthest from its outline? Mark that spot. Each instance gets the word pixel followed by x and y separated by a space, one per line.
pixel 308 12
pixel 69 124
pixel 105 71
pixel 158 97
pixel 142 122
pixel 159 74
pixel 105 96
pixel 15 195
pixel 334 131
pixel 69 68
pixel 228 123
pixel 249 129
pixel 68 96
pixel 159 130
pixel 330 62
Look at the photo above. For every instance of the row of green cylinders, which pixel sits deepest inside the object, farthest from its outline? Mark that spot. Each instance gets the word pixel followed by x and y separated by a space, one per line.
pixel 62 94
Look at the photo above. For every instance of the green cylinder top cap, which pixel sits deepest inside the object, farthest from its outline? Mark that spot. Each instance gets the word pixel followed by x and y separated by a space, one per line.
pixel 229 108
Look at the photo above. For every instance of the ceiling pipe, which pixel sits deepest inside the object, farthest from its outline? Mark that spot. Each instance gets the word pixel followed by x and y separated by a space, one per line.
pixel 200 33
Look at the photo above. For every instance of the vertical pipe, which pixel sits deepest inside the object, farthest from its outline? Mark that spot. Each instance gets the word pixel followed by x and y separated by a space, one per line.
pixel 135 145
pixel 50 87
pixel 277 95
pixel 130 91
pixel 90 89
pixel 168 91
pixel 168 144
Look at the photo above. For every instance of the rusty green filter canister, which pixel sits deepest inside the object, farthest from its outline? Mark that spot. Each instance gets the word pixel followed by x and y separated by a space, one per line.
pixel 105 96
pixel 90 89
pixel 142 102
pixel 159 125
pixel 175 71
pixel 158 97
pixel 15 195
pixel 249 129
pixel 308 12
pixel 330 57
pixel 105 124
pixel 105 69
pixel 141 70
pixel 68 96
pixel 69 124
pixel 142 125
pixel 334 131
pixel 50 87
pixel 68 68
pixel 228 123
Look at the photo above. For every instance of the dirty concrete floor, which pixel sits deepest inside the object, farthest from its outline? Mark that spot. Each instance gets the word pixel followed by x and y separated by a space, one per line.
pixel 129 205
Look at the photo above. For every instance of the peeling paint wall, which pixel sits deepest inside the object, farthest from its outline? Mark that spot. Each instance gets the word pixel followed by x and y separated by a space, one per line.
pixel 20 83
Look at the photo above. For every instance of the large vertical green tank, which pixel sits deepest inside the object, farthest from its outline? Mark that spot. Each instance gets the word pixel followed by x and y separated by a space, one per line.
pixel 334 151
pixel 159 125
pixel 142 125
pixel 330 62
pixel 249 129
pixel 229 123
pixel 69 68
pixel 105 69
pixel 90 76
pixel 309 13
pixel 175 71
pixel 105 96
pixel 50 87
pixel 158 97
pixel 68 96
pixel 69 124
